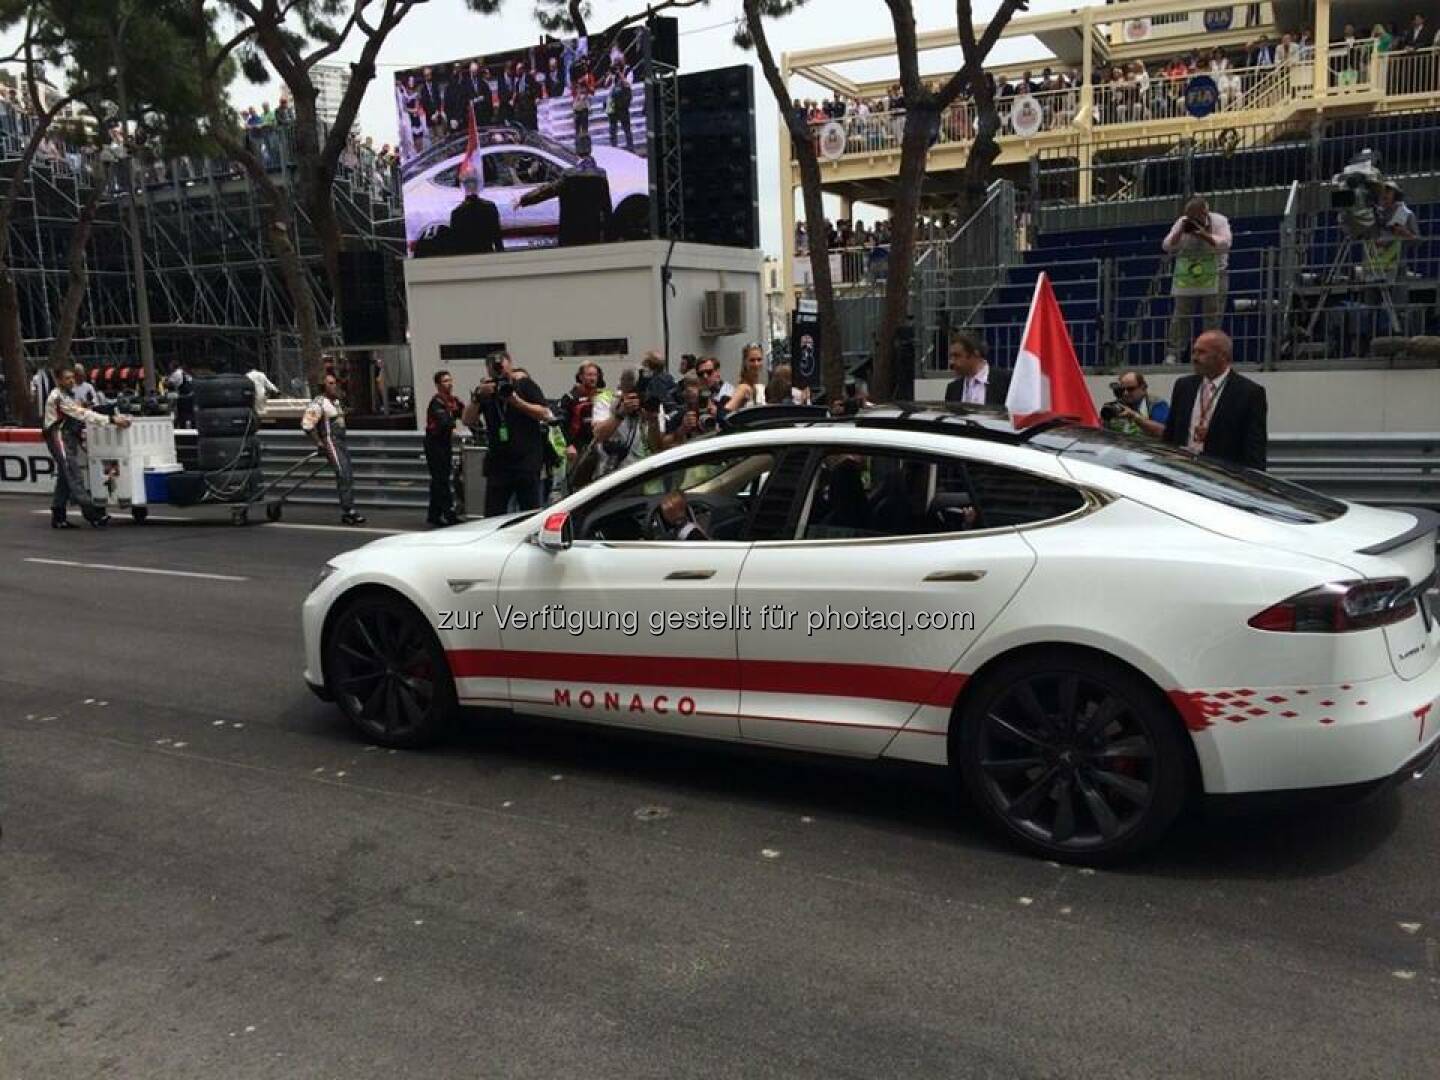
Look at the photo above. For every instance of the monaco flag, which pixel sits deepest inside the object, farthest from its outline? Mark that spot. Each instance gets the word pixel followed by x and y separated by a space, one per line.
pixel 1047 379
pixel 472 146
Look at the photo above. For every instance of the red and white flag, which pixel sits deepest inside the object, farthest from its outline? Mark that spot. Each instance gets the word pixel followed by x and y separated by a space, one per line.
pixel 1047 380
pixel 470 161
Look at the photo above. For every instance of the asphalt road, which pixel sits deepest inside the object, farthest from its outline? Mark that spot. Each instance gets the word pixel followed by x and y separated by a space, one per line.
pixel 204 874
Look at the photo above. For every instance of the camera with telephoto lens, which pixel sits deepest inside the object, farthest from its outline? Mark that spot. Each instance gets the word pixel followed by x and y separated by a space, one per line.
pixel 648 387
pixel 504 385
pixel 1113 410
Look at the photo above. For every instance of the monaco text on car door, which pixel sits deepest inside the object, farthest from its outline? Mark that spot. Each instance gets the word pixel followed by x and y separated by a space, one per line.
pixel 897 556
pixel 628 625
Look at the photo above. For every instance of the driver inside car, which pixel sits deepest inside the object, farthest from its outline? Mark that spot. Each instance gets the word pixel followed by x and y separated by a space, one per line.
pixel 674 519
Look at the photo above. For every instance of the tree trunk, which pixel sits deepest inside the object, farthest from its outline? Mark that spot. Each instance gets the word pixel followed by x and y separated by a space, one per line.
pixel 832 359
pixel 292 272
pixel 914 149
pixel 317 189
pixel 77 277
pixel 12 346
pixel 279 230
pixel 832 363
pixel 12 337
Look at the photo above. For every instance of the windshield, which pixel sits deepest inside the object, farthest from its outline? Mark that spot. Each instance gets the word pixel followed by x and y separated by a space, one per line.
pixel 1243 489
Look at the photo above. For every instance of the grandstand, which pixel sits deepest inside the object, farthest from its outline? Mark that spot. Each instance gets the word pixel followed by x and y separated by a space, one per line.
pixel 216 296
pixel 1089 193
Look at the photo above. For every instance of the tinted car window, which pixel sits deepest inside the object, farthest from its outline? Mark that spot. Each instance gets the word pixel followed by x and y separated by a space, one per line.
pixel 1007 498
pixel 860 495
pixel 1243 489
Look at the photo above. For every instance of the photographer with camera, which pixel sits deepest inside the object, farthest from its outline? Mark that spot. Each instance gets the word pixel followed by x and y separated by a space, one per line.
pixel 514 412
pixel 577 410
pixel 1200 241
pixel 627 427
pixel 714 382
pixel 1132 412
pixel 695 414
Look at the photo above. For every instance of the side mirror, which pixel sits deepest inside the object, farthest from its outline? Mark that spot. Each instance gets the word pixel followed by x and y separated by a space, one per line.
pixel 556 532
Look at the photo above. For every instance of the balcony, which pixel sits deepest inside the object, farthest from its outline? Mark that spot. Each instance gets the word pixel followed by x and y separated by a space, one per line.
pixel 1147 108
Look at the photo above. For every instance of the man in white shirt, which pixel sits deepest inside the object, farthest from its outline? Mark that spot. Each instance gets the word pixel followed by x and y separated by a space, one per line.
pixel 85 392
pixel 264 389
pixel 1200 240
pixel 41 383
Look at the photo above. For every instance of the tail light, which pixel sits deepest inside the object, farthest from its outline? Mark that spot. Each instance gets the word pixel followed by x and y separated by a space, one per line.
pixel 1340 608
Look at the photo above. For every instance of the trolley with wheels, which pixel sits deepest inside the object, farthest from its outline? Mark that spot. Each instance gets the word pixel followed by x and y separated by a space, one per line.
pixel 118 460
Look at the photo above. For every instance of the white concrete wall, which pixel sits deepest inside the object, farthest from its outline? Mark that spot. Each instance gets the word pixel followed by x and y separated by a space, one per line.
pixel 1312 401
pixel 531 299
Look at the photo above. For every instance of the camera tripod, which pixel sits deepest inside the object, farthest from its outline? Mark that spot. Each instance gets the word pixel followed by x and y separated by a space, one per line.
pixel 1343 258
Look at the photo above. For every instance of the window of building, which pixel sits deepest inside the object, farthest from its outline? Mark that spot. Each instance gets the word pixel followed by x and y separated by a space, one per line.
pixel 592 347
pixel 474 350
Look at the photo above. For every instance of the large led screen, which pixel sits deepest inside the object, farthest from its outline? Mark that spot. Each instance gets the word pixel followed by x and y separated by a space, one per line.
pixel 537 147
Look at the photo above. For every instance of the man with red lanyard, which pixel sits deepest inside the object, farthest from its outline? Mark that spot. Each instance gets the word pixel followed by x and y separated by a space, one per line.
pixel 64 429
pixel 1217 412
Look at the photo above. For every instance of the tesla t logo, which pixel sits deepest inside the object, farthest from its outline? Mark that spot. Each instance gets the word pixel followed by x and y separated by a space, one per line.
pixel 615 701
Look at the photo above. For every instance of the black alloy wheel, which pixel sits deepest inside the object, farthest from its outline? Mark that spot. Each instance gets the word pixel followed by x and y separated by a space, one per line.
pixel 388 673
pixel 1078 759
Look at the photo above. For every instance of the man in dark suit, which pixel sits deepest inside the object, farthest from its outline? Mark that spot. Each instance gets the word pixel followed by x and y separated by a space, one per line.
pixel 975 382
pixel 1217 412
pixel 457 100
pixel 432 101
pixel 475 223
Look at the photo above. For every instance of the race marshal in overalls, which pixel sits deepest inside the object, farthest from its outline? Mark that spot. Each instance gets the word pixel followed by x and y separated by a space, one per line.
pixel 324 422
pixel 64 428
pixel 1200 241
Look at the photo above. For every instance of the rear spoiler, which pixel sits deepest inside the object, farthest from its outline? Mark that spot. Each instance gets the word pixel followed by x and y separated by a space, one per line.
pixel 1426 521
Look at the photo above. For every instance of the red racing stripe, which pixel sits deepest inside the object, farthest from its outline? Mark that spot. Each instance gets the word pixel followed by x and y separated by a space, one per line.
pixel 882 682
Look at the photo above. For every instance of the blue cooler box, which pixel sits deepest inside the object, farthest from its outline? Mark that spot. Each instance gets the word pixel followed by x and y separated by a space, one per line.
pixel 157 483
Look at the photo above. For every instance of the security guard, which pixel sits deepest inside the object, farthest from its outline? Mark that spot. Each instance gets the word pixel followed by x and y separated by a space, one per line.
pixel 64 426
pixel 324 422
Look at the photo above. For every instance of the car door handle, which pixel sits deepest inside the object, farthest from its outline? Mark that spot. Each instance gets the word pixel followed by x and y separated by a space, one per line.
pixel 955 575
pixel 689 575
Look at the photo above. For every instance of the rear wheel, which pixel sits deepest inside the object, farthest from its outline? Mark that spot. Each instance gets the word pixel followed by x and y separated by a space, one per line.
pixel 1074 756
pixel 388 673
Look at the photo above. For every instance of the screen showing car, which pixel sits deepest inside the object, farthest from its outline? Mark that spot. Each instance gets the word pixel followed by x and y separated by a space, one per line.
pixel 539 147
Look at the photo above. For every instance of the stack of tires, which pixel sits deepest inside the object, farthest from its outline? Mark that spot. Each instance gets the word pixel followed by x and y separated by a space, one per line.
pixel 227 443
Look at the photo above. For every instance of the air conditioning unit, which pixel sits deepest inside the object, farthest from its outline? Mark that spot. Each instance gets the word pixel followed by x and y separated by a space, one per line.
pixel 724 313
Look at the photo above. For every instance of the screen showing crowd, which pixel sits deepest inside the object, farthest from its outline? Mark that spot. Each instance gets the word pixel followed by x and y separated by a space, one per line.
pixel 538 147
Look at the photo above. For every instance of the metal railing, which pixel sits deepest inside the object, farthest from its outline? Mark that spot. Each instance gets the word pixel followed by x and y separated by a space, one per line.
pixel 1357 69
pixel 1401 469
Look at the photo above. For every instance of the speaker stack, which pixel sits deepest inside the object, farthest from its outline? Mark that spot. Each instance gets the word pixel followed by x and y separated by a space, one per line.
pixel 370 312
pixel 227 441
pixel 720 190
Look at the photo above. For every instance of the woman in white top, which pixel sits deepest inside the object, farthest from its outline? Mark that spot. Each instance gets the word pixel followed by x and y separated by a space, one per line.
pixel 750 389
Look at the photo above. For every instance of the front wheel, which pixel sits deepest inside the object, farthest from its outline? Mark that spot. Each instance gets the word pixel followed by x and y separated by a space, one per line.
pixel 388 673
pixel 1074 756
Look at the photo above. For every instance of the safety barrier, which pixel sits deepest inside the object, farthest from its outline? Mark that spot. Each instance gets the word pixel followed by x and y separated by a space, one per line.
pixel 1383 469
pixel 389 468
pixel 1400 469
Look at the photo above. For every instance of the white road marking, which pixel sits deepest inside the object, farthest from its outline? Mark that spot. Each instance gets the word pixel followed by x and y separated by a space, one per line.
pixel 1410 927
pixel 282 524
pixel 769 853
pixel 136 569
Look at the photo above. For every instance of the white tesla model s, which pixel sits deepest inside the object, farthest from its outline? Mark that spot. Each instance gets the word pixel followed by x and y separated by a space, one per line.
pixel 1091 631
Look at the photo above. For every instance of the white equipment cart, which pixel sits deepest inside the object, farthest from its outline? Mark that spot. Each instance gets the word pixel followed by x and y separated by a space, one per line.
pixel 118 457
